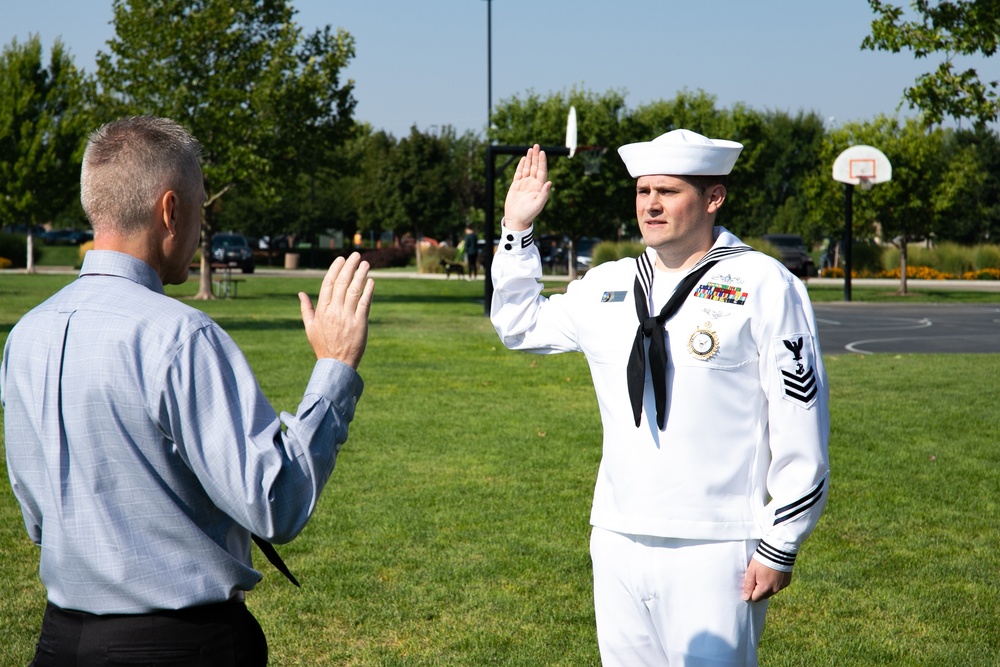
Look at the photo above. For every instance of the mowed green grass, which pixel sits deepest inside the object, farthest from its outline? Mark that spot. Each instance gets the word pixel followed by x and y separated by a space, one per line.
pixel 454 530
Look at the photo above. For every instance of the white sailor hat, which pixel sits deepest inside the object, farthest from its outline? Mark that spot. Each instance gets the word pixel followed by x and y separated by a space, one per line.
pixel 680 153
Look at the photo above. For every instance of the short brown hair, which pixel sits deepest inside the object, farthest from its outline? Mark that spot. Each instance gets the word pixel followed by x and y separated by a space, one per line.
pixel 703 183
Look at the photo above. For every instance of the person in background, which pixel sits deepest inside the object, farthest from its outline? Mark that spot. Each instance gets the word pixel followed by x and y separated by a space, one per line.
pixel 139 444
pixel 471 248
pixel 713 398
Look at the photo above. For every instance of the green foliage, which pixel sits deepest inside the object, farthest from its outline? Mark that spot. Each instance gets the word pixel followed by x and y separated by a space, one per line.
pixel 766 247
pixel 580 204
pixel 947 258
pixel 952 258
pixel 44 120
pixel 779 152
pixel 265 100
pixel 972 212
pixel 424 184
pixel 867 256
pixel 986 257
pixel 610 251
pixel 14 247
pixel 431 256
pixel 949 28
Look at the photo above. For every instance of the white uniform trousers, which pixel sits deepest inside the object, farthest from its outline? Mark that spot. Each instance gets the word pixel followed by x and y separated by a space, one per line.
pixel 662 601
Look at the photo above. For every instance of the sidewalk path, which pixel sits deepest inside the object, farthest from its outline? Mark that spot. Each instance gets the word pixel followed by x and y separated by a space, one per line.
pixel 912 284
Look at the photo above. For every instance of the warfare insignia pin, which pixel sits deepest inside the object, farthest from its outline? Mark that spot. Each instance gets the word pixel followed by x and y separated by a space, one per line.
pixel 704 343
pixel 611 297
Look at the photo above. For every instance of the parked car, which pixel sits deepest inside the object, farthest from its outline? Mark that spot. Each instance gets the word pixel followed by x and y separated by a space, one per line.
pixel 66 236
pixel 584 251
pixel 794 255
pixel 234 250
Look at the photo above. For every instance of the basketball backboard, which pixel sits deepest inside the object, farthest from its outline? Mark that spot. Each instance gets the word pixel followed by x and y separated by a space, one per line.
pixel 862 165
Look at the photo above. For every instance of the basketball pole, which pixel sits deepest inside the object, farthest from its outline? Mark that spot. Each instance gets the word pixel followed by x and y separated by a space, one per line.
pixel 858 165
pixel 848 236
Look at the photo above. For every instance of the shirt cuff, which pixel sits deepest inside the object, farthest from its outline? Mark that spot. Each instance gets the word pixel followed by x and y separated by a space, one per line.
pixel 775 558
pixel 516 242
pixel 337 381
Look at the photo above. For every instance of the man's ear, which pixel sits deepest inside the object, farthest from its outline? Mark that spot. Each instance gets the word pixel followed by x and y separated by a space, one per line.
pixel 716 195
pixel 168 210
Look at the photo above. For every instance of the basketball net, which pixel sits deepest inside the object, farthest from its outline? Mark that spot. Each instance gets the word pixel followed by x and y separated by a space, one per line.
pixel 592 157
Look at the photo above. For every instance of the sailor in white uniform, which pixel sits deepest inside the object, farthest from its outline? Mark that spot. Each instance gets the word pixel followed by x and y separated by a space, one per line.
pixel 713 398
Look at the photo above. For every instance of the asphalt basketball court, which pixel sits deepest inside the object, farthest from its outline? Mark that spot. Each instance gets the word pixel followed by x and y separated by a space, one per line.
pixel 894 328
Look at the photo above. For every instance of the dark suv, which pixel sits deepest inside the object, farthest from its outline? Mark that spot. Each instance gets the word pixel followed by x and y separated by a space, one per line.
pixel 234 250
pixel 794 255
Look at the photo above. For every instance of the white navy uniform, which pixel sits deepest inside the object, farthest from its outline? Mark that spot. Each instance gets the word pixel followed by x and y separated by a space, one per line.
pixel 743 452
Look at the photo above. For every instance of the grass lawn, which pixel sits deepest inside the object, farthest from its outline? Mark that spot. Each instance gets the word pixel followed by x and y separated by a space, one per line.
pixel 455 528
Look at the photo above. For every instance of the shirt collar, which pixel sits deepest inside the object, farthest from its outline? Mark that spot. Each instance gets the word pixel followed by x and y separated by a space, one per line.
pixel 112 263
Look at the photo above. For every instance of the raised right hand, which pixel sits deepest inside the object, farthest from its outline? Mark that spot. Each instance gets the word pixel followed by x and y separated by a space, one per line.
pixel 338 327
pixel 528 191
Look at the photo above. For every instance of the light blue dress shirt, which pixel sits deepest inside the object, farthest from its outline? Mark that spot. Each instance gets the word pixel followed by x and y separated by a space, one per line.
pixel 142 450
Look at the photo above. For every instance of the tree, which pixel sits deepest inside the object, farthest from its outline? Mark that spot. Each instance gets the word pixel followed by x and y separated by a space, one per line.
pixel 778 151
pixel 44 119
pixel 974 181
pixel 952 28
pixel 423 173
pixel 581 204
pixel 242 78
pixel 379 207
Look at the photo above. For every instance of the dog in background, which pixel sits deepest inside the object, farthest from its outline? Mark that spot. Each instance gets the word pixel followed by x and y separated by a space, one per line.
pixel 451 267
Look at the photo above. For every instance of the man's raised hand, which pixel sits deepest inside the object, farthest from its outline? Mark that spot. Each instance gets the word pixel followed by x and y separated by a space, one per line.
pixel 528 191
pixel 338 326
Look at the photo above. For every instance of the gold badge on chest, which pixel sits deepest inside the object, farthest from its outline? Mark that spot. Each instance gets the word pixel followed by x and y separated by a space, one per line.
pixel 704 342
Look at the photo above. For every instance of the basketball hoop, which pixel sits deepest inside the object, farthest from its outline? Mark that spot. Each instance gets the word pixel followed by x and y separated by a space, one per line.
pixel 592 157
pixel 863 166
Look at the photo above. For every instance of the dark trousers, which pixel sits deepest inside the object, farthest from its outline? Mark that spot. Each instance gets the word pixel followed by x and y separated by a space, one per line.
pixel 214 635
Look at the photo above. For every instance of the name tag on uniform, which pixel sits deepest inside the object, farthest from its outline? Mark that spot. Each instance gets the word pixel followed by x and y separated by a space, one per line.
pixel 612 297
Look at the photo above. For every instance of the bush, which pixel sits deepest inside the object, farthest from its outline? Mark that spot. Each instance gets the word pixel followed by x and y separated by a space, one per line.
pixel 766 247
pixel 952 258
pixel 918 273
pixel 386 258
pixel 610 251
pixel 89 245
pixel 986 257
pixel 866 257
pixel 982 274
pixel 15 248
pixel 431 256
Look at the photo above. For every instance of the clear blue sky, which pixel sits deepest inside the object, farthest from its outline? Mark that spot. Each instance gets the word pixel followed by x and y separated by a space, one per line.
pixel 424 62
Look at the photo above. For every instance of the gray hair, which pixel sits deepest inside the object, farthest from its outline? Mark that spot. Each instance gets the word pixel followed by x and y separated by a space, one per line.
pixel 128 164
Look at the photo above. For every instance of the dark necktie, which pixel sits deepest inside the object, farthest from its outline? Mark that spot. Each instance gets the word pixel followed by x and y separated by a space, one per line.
pixel 272 555
pixel 652 327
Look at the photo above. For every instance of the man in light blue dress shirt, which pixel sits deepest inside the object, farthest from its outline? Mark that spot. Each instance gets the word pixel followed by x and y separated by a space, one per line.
pixel 139 444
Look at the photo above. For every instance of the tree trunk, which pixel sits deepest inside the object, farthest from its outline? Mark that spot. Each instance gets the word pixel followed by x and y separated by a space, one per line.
pixel 571 259
pixel 205 274
pixel 902 267
pixel 30 261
